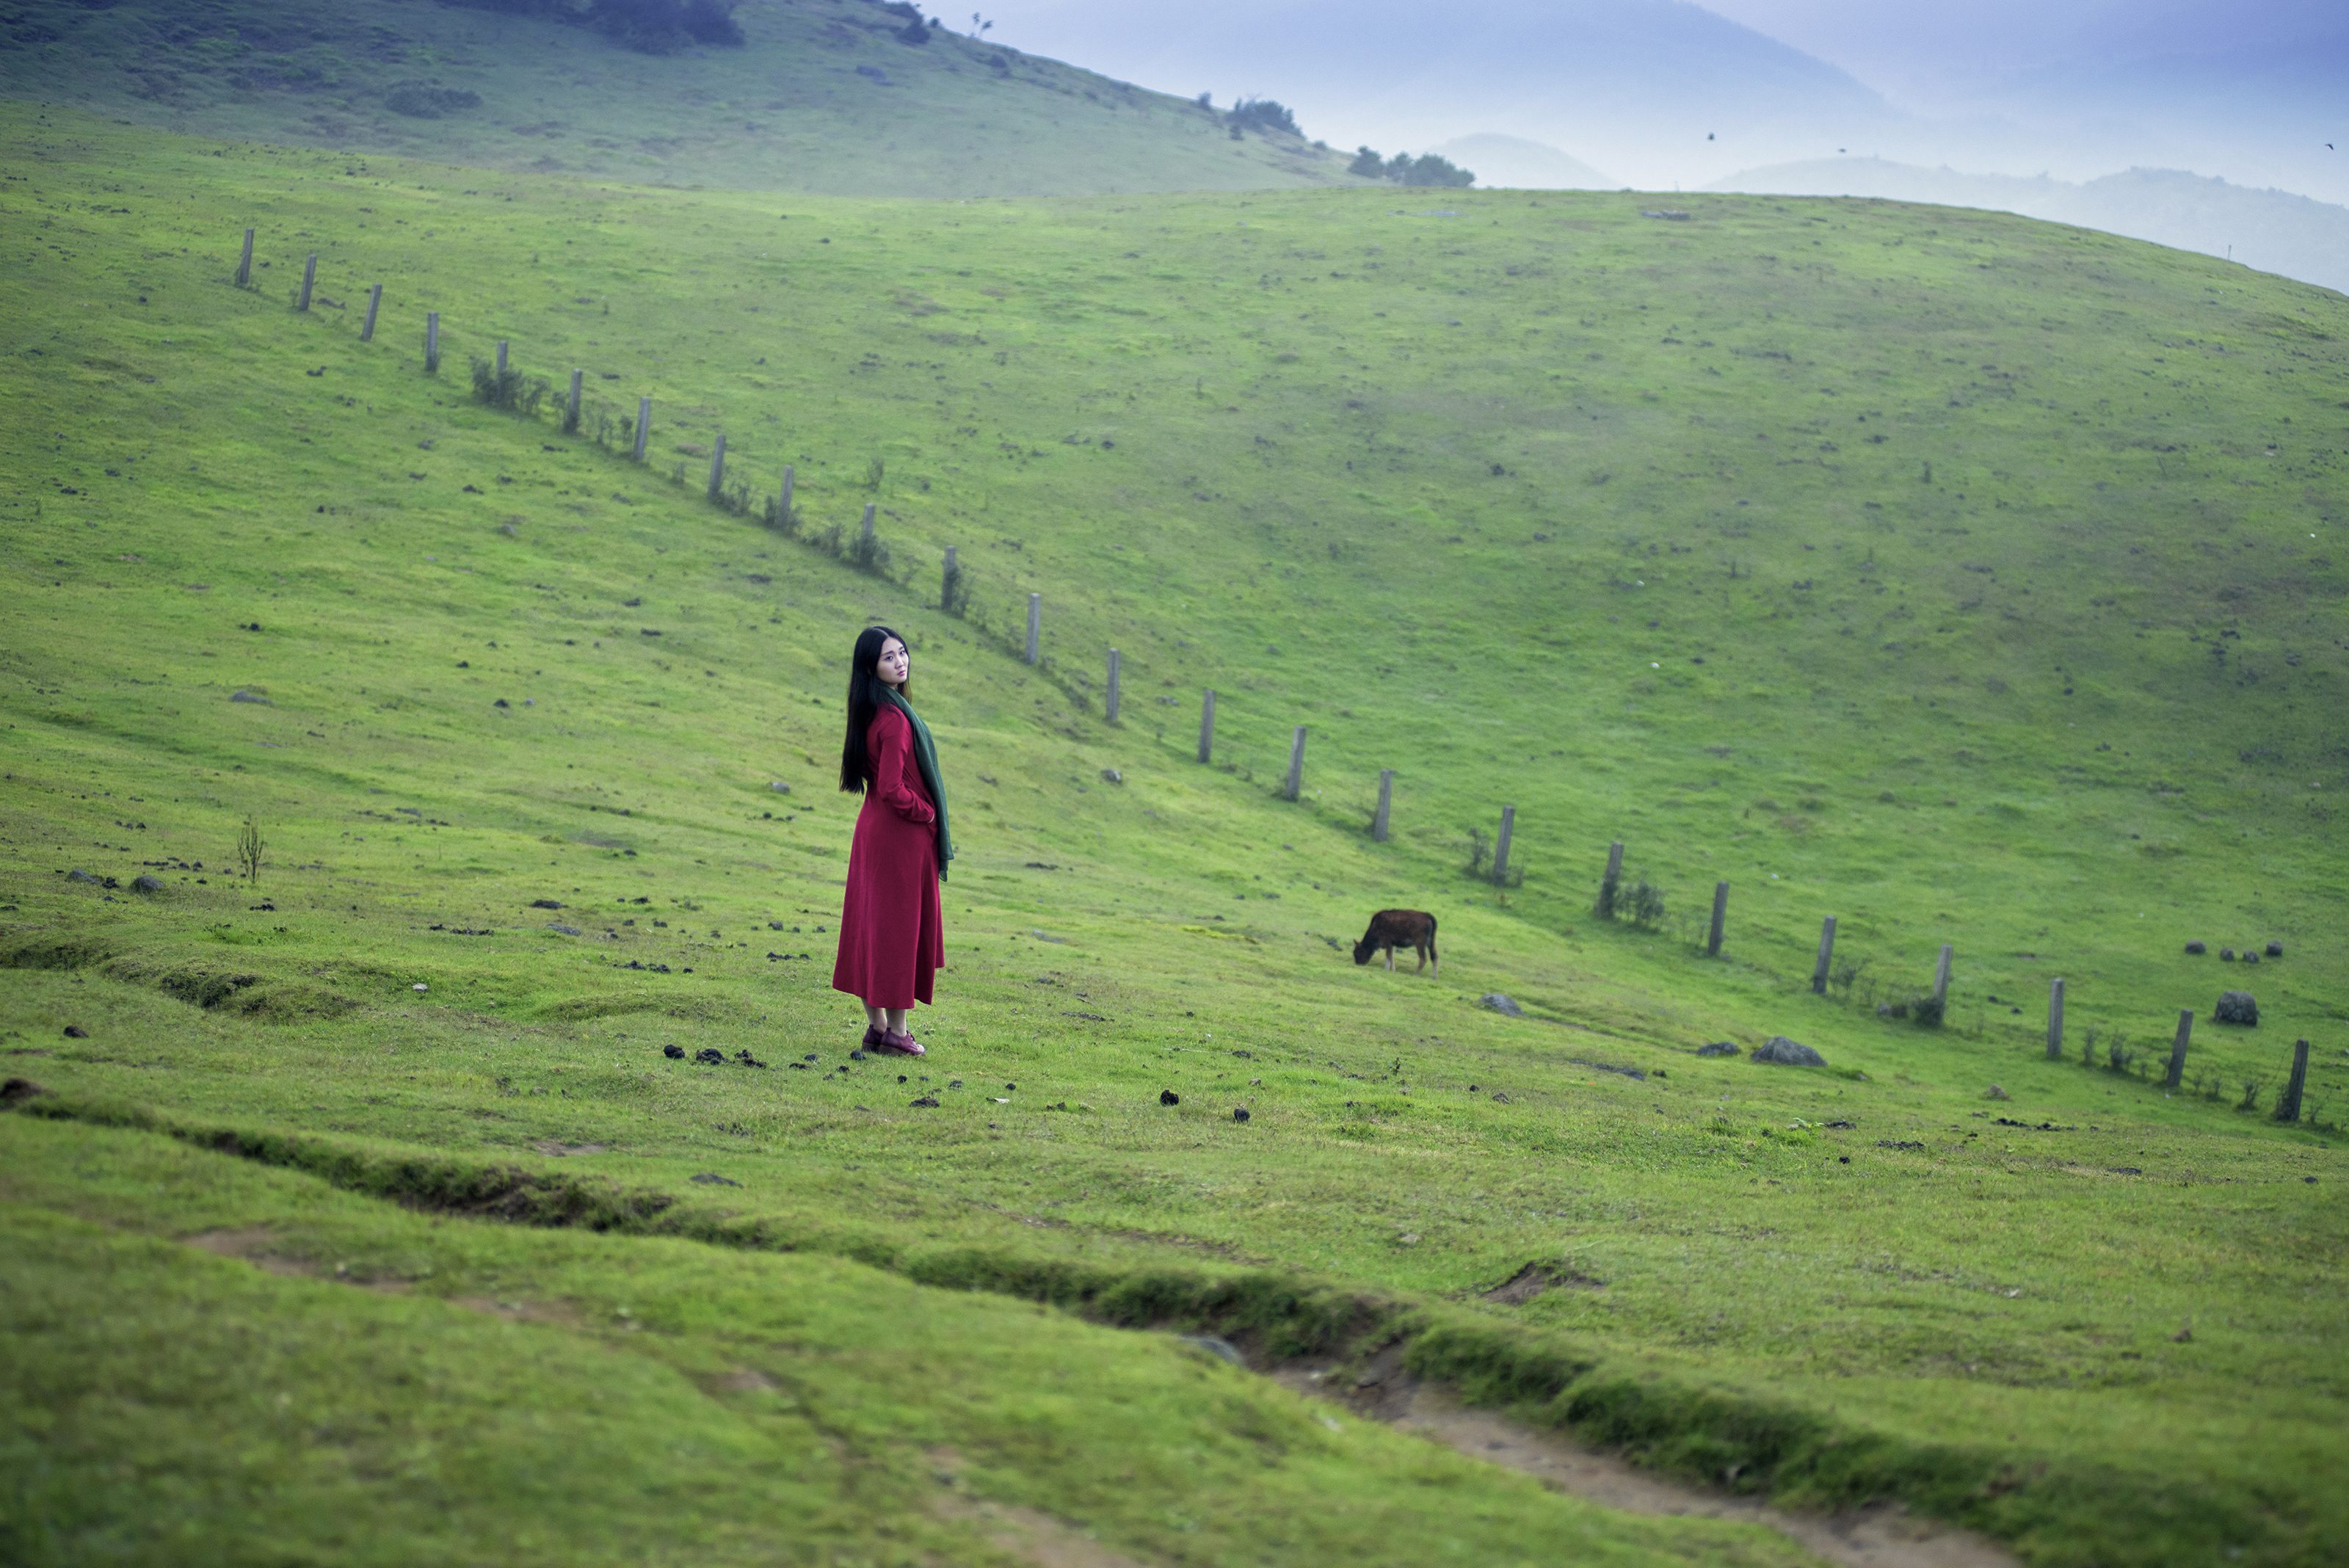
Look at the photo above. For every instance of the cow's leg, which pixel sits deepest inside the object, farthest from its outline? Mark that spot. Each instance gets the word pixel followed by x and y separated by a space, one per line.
pixel 1390 958
pixel 1421 949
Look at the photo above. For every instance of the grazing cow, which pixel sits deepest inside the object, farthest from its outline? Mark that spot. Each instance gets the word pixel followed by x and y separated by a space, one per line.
pixel 1392 929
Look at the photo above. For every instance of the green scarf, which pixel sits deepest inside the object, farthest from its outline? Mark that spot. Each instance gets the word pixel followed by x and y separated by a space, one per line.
pixel 926 754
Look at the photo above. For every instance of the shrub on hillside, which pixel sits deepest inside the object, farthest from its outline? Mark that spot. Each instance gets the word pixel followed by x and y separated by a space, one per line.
pixel 1427 169
pixel 508 389
pixel 420 101
pixel 916 32
pixel 663 26
pixel 1264 114
pixel 1403 169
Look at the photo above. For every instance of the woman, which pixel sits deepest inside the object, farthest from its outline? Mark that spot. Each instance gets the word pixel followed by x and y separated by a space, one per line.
pixel 891 938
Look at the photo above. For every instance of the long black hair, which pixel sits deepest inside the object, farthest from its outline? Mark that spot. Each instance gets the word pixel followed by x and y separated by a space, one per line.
pixel 864 698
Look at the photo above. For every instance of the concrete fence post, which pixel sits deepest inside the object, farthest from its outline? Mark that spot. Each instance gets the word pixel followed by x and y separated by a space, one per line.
pixel 1386 798
pixel 644 426
pixel 432 342
pixel 2055 1021
pixel 1208 727
pixel 309 280
pixel 245 261
pixel 1720 918
pixel 1501 845
pixel 570 404
pixel 2178 1048
pixel 1826 957
pixel 1108 702
pixel 1296 779
pixel 1942 978
pixel 1035 625
pixel 374 303
pixel 718 468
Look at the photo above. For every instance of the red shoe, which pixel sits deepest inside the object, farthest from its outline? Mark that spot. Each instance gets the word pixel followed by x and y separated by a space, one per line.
pixel 896 1044
pixel 871 1041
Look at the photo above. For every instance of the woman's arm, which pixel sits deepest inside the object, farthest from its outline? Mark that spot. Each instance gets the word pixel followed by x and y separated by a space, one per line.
pixel 890 743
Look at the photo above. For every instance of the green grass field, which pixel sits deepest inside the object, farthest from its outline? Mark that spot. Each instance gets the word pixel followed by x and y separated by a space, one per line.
pixel 1968 579
pixel 823 95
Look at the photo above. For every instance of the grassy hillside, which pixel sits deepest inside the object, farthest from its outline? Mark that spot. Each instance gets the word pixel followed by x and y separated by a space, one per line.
pixel 823 97
pixel 1537 501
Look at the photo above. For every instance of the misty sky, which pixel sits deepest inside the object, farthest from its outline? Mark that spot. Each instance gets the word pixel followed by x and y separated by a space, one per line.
pixel 1663 93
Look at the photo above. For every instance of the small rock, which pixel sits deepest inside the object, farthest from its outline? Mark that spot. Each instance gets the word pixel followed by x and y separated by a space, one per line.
pixel 710 1056
pixel 249 695
pixel 2225 955
pixel 1501 1005
pixel 1239 1113
pixel 1788 1053
pixel 563 930
pixel 2198 946
pixel 419 985
pixel 544 904
pixel 149 883
pixel 674 1052
pixel 1718 1048
pixel 2237 1007
pixel 76 1031
pixel 711 1179
pixel 1169 1097
pixel 1111 775
pixel 1995 1093
pixel 779 787
pixel 79 876
pixel 2275 949
pixel 17 1090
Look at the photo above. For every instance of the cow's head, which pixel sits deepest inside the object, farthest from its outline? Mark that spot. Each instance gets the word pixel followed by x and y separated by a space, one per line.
pixel 1364 950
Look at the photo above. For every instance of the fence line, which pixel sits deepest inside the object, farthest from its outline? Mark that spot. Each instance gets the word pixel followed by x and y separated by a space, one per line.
pixel 953 598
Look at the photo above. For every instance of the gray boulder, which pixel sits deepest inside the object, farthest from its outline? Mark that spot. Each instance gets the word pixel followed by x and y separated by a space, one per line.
pixel 79 875
pixel 149 883
pixel 1787 1053
pixel 2275 949
pixel 1718 1048
pixel 2237 1007
pixel 1501 1005
pixel 2198 946
pixel 250 696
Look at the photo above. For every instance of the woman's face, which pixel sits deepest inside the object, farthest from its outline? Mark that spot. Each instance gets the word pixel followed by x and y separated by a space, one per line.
pixel 893 663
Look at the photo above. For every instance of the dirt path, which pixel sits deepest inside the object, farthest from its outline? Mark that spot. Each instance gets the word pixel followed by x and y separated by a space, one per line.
pixel 1882 1536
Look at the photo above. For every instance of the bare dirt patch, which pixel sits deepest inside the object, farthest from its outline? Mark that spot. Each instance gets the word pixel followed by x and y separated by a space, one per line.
pixel 1535 1278
pixel 1876 1536
pixel 1025 1533
pixel 257 1245
pixel 557 1148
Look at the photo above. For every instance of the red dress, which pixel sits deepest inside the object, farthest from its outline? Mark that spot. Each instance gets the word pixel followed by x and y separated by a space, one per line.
pixel 891 938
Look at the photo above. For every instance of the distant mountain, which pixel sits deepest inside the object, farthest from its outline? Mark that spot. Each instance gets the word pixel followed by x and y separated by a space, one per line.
pixel 1513 162
pixel 2272 231
pixel 1638 86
